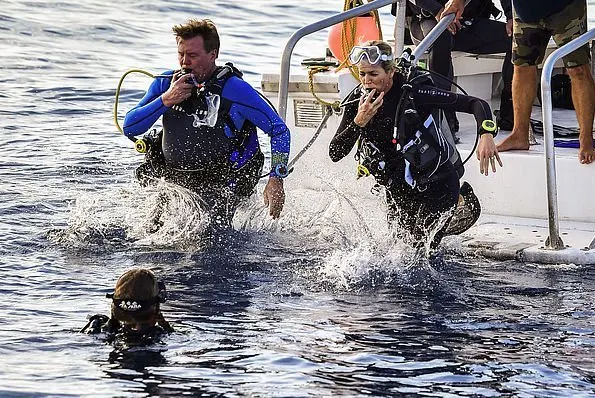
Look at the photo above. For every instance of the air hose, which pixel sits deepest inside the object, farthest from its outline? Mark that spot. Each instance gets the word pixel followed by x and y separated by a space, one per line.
pixel 139 144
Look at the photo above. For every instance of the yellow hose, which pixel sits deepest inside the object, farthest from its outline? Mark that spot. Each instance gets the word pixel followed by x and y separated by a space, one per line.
pixel 118 93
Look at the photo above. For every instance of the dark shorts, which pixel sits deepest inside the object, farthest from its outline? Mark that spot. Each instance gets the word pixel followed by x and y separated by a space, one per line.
pixel 530 40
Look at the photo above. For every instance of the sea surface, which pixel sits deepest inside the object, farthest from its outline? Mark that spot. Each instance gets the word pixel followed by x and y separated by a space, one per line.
pixel 306 306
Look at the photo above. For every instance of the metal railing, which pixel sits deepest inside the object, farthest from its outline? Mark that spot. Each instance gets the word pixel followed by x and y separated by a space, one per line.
pixel 315 27
pixel 554 241
pixel 432 35
pixel 345 15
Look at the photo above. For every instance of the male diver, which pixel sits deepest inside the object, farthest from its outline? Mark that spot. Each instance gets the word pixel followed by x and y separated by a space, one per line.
pixel 209 142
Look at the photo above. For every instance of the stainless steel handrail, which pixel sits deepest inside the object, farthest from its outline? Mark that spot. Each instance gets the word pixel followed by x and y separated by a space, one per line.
pixel 315 27
pixel 431 37
pixel 554 241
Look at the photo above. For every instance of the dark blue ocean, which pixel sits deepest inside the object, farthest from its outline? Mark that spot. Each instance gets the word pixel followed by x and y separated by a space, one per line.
pixel 306 306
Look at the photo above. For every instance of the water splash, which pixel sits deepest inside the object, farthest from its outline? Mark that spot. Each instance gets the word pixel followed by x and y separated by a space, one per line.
pixel 125 216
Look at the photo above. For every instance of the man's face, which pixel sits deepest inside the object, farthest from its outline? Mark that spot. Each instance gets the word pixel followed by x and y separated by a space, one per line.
pixel 192 55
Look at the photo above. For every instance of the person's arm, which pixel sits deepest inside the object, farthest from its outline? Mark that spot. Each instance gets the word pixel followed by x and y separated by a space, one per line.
pixel 358 113
pixel 250 105
pixel 139 119
pixel 163 93
pixel 347 134
pixel 507 9
pixel 457 7
pixel 431 6
pixel 454 6
pixel 430 96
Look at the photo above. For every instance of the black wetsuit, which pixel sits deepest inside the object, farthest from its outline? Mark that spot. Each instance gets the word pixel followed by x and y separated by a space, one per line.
pixel 415 212
pixel 114 330
pixel 479 35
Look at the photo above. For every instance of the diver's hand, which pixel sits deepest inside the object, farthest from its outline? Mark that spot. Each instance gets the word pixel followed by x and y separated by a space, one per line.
pixel 487 154
pixel 274 196
pixel 368 107
pixel 178 91
pixel 457 7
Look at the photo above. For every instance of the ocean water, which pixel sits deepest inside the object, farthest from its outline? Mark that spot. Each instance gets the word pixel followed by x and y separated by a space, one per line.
pixel 307 306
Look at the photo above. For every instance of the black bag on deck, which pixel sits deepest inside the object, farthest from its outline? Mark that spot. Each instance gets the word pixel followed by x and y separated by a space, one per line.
pixel 561 92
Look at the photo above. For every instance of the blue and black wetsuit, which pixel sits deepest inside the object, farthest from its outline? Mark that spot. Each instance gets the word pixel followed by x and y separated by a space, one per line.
pixel 414 211
pixel 218 157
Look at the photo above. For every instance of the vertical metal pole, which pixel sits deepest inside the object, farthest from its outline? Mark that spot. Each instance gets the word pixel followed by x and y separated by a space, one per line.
pixel 399 31
pixel 554 241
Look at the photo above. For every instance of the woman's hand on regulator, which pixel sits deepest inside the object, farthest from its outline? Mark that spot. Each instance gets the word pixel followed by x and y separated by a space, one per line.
pixel 368 106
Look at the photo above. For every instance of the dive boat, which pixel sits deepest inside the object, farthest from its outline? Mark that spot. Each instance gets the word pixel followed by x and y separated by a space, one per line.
pixel 539 207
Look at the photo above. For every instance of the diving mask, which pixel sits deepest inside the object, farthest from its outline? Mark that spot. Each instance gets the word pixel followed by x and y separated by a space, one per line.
pixel 372 54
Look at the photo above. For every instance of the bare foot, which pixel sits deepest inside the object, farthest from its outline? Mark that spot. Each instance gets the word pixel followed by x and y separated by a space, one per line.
pixel 586 156
pixel 514 141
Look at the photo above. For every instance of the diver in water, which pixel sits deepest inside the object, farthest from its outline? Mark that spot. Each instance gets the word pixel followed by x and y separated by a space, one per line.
pixel 209 142
pixel 396 119
pixel 135 310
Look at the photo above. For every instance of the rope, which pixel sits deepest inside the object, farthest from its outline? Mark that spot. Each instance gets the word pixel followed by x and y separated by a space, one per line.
pixel 311 72
pixel 348 32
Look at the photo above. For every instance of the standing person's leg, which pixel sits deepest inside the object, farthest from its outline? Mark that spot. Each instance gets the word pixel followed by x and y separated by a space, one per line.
pixel 524 88
pixel 583 98
pixel 567 25
pixel 440 60
pixel 505 117
pixel 528 49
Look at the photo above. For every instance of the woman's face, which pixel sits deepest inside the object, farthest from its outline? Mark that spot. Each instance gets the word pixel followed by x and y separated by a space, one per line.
pixel 374 76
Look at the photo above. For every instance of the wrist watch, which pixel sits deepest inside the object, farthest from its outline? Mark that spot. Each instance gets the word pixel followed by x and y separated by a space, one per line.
pixel 488 126
pixel 280 171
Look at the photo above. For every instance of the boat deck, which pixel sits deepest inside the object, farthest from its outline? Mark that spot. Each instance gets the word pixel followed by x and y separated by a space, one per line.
pixel 519 188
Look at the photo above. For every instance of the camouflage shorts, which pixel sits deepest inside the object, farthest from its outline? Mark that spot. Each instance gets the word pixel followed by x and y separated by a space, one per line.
pixel 530 40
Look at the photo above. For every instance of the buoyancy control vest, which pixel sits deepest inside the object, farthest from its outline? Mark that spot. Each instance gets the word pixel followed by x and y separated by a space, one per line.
pixel 422 150
pixel 423 137
pixel 194 134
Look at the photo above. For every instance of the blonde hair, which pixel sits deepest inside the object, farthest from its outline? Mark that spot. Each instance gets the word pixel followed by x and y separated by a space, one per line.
pixel 386 49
